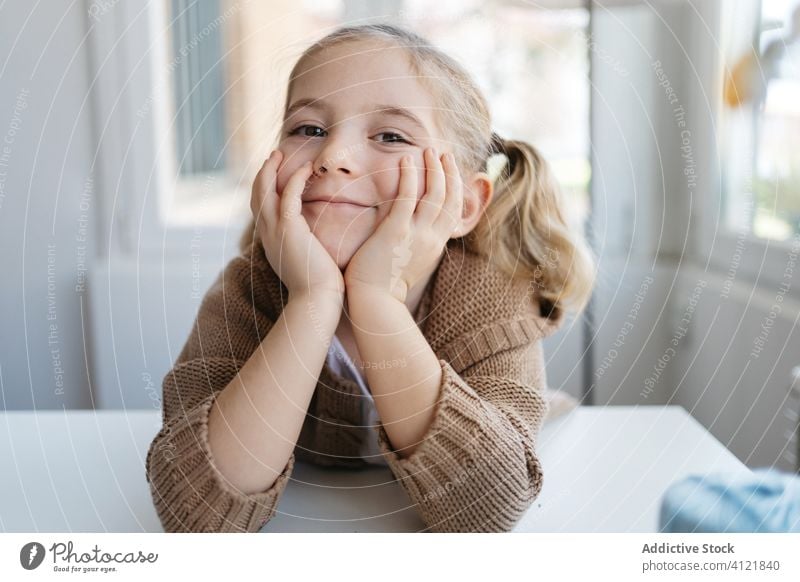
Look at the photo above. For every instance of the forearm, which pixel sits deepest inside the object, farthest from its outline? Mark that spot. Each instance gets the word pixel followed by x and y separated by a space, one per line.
pixel 405 395
pixel 486 425
pixel 255 422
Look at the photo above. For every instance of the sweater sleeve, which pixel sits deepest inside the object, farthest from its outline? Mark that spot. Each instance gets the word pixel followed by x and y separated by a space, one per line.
pixel 189 493
pixel 476 469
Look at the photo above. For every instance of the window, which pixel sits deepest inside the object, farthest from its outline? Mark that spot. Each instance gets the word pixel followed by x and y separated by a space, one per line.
pixel 776 180
pixel 762 113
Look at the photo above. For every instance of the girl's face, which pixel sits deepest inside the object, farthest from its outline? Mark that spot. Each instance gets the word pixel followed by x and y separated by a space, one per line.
pixel 360 146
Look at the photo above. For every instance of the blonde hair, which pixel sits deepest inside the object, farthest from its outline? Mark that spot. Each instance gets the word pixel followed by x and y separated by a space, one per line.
pixel 523 231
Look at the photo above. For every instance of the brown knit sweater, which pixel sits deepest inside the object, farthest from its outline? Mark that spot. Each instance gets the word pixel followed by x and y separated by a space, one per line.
pixel 476 469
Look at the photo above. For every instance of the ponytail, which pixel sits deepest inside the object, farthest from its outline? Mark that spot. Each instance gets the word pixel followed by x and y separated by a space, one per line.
pixel 524 231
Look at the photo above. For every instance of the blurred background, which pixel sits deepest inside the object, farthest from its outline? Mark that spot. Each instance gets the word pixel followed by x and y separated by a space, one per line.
pixel 130 133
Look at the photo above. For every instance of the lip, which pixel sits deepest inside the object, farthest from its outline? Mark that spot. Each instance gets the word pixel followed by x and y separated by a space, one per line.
pixel 343 201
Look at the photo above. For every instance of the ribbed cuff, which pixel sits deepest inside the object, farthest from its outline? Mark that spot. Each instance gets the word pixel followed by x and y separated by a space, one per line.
pixel 474 470
pixel 189 492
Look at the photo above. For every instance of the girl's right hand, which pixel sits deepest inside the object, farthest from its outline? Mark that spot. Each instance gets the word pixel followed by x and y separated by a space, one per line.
pixel 295 254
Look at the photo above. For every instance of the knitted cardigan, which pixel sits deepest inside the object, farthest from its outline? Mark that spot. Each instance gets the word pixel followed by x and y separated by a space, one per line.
pixel 476 469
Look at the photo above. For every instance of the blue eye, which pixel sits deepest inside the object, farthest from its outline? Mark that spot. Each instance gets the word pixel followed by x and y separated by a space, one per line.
pixel 300 129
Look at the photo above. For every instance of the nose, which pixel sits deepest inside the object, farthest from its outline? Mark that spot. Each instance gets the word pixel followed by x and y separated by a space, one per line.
pixel 338 155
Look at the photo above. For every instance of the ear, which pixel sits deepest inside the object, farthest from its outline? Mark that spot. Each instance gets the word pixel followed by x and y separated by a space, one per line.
pixel 478 192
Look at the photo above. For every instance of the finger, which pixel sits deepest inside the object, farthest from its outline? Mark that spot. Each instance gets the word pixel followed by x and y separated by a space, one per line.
pixel 264 200
pixel 452 209
pixel 290 197
pixel 430 205
pixel 403 206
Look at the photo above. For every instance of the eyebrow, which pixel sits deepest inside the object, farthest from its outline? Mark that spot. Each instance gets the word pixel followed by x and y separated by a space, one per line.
pixel 390 110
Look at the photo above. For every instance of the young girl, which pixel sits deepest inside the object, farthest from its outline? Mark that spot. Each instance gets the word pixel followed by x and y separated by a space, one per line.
pixel 387 307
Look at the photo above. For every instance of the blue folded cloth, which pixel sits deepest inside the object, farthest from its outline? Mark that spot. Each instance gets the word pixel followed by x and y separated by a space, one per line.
pixel 766 500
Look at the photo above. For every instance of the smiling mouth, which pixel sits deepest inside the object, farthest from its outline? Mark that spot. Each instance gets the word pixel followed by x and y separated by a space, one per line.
pixel 337 204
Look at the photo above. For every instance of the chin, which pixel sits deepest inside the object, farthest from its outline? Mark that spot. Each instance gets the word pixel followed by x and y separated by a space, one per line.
pixel 340 249
pixel 340 238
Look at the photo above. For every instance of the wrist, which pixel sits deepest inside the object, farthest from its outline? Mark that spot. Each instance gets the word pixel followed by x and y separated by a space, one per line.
pixel 318 295
pixel 371 294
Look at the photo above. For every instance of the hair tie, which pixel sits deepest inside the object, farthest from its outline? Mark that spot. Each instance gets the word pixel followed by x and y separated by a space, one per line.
pixel 497 157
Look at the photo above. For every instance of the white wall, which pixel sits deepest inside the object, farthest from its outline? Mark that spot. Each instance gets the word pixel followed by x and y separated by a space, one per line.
pixel 634 285
pixel 45 126
pixel 741 393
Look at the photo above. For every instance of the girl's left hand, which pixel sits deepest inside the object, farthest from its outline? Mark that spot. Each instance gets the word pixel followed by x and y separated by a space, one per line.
pixel 412 236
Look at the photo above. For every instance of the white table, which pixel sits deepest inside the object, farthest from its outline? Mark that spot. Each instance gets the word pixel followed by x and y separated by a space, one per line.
pixel 605 471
